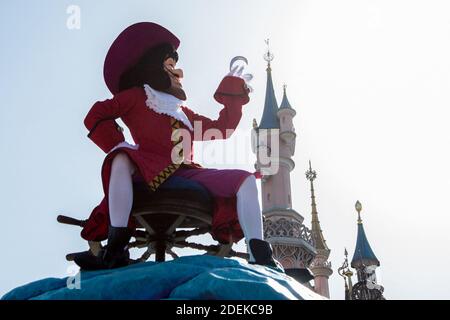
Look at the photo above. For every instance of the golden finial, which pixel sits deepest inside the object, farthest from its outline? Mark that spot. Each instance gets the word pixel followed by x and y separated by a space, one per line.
pixel 345 272
pixel 358 208
pixel 311 174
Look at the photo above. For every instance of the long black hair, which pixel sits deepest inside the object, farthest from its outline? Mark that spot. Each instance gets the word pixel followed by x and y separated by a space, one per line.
pixel 149 70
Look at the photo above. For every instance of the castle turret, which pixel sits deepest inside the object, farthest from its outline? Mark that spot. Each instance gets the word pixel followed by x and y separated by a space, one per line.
pixel 365 262
pixel 364 255
pixel 285 115
pixel 274 141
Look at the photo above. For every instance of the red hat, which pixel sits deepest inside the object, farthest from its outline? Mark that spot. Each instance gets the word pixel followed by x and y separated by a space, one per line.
pixel 130 46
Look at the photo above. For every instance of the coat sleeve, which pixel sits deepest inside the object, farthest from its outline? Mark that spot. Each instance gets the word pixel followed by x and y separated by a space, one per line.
pixel 100 120
pixel 232 93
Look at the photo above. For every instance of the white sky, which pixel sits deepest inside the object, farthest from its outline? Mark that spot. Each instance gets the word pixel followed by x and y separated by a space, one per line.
pixel 369 80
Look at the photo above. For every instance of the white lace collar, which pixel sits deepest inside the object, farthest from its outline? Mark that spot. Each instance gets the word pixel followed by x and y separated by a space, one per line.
pixel 164 103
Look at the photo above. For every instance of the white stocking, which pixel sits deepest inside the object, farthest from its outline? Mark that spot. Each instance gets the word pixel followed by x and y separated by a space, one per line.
pixel 120 197
pixel 249 212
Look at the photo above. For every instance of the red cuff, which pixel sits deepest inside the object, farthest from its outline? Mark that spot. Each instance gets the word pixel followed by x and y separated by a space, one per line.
pixel 232 88
pixel 257 174
pixel 106 134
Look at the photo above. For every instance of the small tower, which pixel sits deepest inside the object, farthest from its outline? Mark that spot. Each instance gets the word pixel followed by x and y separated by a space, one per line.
pixel 287 131
pixel 365 262
pixel 320 267
pixel 274 139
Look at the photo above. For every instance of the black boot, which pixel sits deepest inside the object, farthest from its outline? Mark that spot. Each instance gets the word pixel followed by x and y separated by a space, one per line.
pixel 114 255
pixel 263 254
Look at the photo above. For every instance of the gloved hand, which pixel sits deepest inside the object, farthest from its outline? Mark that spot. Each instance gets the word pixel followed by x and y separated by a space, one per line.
pixel 125 144
pixel 236 71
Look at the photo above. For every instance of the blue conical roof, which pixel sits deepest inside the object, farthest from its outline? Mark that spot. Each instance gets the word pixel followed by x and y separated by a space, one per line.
pixel 269 118
pixel 364 255
pixel 285 102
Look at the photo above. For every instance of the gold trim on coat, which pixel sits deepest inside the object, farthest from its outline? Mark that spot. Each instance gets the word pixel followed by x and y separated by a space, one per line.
pixel 170 169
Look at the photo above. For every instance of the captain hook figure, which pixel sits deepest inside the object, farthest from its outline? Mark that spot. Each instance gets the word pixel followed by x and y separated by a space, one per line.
pixel 141 72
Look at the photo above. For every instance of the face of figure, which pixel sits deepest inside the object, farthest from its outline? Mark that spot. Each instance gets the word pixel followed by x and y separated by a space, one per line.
pixel 176 75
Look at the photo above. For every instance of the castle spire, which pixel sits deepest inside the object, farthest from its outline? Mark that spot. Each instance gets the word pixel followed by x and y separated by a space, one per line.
pixel 345 272
pixel 269 118
pixel 316 231
pixel 364 255
pixel 320 266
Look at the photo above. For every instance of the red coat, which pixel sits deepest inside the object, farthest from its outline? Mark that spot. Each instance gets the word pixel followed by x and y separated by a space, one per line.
pixel 153 133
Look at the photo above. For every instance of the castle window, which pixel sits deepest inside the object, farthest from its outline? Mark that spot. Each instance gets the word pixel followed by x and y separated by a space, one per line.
pixel 268 197
pixel 289 198
pixel 282 120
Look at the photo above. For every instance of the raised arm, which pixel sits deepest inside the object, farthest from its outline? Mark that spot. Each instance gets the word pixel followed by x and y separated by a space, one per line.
pixel 100 120
pixel 232 93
